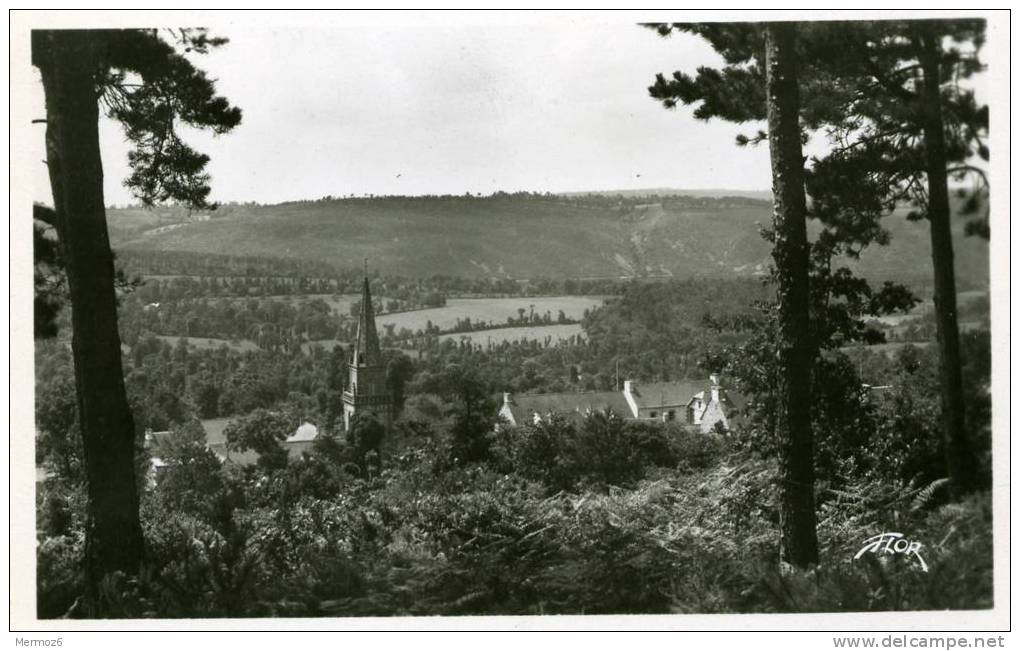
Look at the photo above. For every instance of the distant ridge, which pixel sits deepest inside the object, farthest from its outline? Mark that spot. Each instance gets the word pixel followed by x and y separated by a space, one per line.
pixel 764 195
pixel 525 235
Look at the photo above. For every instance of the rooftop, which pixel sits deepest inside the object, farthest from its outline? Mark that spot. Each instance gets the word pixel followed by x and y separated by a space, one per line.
pixel 667 394
pixel 522 406
pixel 216 440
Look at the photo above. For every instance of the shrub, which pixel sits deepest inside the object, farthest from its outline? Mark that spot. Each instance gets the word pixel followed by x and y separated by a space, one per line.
pixel 599 451
pixel 564 519
pixel 60 579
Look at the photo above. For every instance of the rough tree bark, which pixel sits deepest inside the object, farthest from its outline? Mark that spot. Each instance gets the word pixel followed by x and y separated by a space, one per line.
pixel 959 458
pixel 69 63
pixel 799 544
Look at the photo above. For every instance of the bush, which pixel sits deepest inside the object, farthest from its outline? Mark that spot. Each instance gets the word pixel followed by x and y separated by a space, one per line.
pixel 692 450
pixel 60 581
pixel 563 520
pixel 956 546
pixel 599 451
pixel 469 540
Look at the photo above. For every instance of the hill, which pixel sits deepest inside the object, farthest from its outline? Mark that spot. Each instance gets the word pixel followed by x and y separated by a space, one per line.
pixel 763 195
pixel 520 236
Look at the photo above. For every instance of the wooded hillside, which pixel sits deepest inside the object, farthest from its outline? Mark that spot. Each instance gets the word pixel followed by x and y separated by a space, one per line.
pixel 520 236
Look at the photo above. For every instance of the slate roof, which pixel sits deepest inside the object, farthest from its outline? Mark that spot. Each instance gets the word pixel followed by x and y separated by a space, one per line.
pixel 663 394
pixel 215 439
pixel 214 429
pixel 667 394
pixel 366 344
pixel 307 432
pixel 524 405
pixel 651 395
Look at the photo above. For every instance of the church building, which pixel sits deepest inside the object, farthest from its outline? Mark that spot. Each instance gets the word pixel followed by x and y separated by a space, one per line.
pixel 366 391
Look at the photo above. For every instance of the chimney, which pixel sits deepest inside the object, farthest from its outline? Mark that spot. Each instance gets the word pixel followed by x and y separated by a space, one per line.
pixel 715 387
pixel 507 399
pixel 629 391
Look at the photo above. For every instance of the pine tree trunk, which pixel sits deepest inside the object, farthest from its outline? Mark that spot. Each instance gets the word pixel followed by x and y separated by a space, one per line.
pixel 113 537
pixel 799 546
pixel 959 459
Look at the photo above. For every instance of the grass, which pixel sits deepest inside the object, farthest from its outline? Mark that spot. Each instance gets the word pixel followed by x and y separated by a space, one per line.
pixel 477 309
pixel 484 310
pixel 496 336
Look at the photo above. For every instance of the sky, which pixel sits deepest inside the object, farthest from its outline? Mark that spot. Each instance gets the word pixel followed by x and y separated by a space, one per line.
pixel 442 108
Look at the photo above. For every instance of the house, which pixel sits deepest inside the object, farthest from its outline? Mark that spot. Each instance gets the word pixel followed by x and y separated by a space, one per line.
pixel 301 440
pixel 296 444
pixel 701 404
pixel 711 407
pixel 532 408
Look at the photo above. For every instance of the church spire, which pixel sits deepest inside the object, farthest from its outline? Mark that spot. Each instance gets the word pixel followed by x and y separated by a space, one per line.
pixel 366 346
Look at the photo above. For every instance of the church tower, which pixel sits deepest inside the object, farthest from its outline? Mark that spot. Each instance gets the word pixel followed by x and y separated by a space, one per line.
pixel 367 392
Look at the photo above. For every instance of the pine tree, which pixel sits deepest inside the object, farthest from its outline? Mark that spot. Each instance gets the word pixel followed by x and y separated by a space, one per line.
pixel 142 81
pixel 913 124
pixel 790 251
pixel 763 81
pixel 892 99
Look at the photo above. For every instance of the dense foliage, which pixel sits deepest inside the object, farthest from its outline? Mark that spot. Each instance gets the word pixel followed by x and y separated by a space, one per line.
pixel 428 536
pixel 447 514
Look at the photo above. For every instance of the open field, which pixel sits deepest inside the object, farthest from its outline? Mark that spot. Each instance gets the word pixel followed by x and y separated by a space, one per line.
pixel 484 310
pixel 559 332
pixel 556 333
pixel 479 310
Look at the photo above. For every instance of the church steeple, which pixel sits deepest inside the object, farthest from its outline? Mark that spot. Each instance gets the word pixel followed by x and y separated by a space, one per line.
pixel 367 391
pixel 366 345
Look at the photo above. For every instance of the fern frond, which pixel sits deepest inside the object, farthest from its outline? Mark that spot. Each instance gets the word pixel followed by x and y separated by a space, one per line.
pixel 925 495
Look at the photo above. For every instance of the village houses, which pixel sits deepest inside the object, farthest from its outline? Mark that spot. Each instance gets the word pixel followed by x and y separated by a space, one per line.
pixel 704 405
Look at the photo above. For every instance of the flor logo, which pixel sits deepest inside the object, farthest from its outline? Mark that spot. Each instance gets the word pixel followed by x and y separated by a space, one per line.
pixel 892 543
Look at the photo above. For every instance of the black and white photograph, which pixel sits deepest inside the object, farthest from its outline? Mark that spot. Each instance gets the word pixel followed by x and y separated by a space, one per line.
pixel 446 319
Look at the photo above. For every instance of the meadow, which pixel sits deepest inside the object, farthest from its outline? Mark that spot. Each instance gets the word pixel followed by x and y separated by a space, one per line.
pixel 485 310
pixel 478 310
